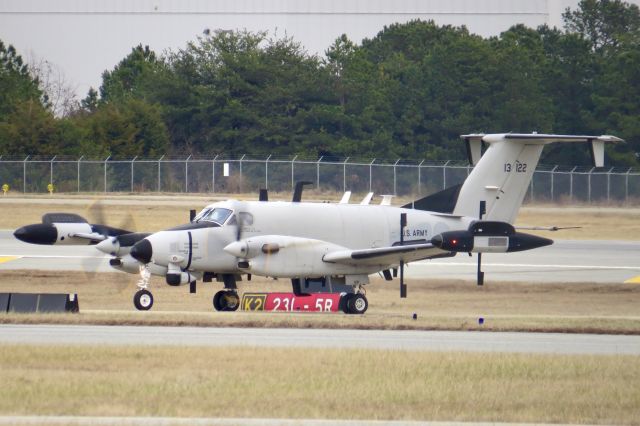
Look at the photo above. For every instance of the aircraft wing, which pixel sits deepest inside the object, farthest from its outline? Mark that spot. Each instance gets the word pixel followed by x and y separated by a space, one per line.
pixel 384 255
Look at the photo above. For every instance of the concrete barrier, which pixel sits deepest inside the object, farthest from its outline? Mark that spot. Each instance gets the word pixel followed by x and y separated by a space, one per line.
pixel 38 302
pixel 4 301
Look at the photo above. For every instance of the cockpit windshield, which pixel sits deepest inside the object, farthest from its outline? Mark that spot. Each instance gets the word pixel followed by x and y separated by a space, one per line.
pixel 217 215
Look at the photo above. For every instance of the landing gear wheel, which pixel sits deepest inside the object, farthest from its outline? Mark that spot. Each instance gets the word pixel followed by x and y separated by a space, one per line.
pixel 143 300
pixel 344 302
pixel 226 301
pixel 357 304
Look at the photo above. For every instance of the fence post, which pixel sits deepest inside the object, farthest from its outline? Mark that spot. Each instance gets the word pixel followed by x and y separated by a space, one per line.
pixel 266 173
pixel 159 172
pixel 571 184
pixel 344 175
pixel 292 172
pixel 79 160
pixel 553 173
pixel 51 169
pixel 395 193
pixel 533 175
pixel 419 177
pixel 589 186
pixel 213 175
pixel 24 175
pixel 132 161
pixel 242 158
pixel 186 174
pixel 444 175
pixel 626 186
pixel 105 173
pixel 609 184
pixel 370 173
pixel 318 172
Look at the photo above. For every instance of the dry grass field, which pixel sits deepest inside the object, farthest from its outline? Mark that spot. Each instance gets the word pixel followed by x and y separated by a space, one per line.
pixel 322 384
pixel 447 305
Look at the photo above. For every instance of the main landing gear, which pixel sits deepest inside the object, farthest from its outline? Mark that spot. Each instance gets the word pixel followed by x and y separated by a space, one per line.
pixel 354 303
pixel 227 300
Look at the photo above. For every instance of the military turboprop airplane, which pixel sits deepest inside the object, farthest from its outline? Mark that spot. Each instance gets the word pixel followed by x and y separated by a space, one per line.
pixel 340 244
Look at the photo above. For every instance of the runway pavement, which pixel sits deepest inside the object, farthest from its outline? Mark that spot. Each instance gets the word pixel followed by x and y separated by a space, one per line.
pixel 322 338
pixel 564 261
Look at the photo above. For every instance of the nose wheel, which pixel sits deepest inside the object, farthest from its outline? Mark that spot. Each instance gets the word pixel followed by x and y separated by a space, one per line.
pixel 143 300
pixel 225 300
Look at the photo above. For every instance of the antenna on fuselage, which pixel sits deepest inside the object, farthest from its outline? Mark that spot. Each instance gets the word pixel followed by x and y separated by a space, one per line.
pixel 297 192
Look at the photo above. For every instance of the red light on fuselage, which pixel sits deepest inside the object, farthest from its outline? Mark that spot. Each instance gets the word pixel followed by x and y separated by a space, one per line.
pixel 454 242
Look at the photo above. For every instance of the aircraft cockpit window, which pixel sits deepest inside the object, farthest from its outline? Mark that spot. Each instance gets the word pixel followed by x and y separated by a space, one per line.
pixel 246 219
pixel 202 213
pixel 217 215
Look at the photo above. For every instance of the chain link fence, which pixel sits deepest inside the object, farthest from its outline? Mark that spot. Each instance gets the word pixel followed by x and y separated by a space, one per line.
pixel 248 174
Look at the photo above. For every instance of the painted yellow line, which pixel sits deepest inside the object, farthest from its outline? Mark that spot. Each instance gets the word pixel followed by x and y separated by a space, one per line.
pixel 634 280
pixel 4 259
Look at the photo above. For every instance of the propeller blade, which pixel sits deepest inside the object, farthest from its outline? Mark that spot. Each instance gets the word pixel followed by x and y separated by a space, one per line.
pixel 96 215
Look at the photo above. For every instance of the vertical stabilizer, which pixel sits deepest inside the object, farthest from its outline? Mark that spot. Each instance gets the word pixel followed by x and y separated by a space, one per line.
pixel 502 175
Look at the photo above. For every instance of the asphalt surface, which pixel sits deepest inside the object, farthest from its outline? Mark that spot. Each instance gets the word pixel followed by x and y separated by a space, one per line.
pixel 564 261
pixel 547 343
pixel 567 261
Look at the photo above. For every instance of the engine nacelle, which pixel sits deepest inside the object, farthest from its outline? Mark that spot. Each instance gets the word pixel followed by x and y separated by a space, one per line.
pixel 54 233
pixel 488 237
pixel 253 247
pixel 283 256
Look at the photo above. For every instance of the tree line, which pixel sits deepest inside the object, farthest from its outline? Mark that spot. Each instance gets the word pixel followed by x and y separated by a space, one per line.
pixel 408 92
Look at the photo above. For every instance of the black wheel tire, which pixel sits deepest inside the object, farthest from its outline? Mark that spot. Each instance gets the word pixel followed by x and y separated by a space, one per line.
pixel 231 301
pixel 217 303
pixel 143 300
pixel 344 302
pixel 357 304
pixel 227 301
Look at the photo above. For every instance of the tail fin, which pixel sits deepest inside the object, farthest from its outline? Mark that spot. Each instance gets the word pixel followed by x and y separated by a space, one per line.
pixel 502 175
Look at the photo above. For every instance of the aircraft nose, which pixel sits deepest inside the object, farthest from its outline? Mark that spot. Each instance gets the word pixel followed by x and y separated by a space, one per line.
pixel 39 233
pixel 437 240
pixel 142 251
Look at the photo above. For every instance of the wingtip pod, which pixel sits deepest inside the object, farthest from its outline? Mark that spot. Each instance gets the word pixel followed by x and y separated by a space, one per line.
pixel 610 138
pixel 39 233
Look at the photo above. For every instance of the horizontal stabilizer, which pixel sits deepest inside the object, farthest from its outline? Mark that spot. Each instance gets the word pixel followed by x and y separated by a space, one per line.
pixel 441 202
pixel 474 142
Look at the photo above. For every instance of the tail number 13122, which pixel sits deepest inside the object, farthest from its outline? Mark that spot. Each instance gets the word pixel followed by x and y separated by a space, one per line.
pixel 517 167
